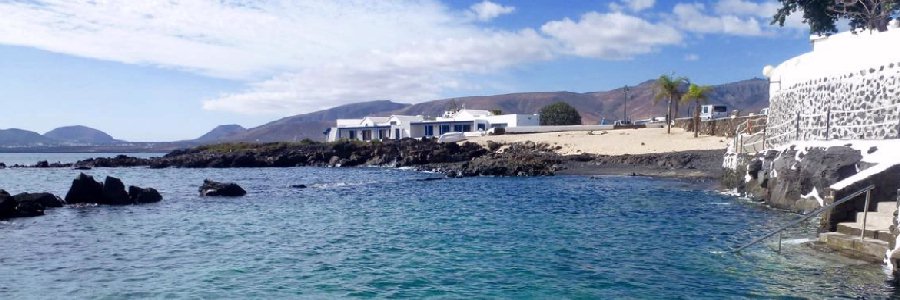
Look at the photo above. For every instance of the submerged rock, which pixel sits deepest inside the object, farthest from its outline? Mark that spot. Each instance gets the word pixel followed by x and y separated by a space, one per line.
pixel 45 199
pixel 85 189
pixel 29 209
pixel 227 189
pixel 299 186
pixel 142 195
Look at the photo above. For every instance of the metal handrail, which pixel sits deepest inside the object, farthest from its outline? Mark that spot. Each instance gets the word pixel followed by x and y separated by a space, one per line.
pixel 807 216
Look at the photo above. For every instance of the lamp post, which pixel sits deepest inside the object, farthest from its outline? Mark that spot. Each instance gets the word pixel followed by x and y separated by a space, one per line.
pixel 625 108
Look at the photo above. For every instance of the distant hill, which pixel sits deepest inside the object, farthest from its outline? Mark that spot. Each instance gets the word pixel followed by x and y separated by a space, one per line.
pixel 80 135
pixel 748 96
pixel 15 137
pixel 220 132
pixel 312 125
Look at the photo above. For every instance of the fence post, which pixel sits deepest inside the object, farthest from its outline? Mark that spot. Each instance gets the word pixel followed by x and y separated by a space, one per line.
pixel 765 128
pixel 862 235
pixel 798 126
pixel 828 125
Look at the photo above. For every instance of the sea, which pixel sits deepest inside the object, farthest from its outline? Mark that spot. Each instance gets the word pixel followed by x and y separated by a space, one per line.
pixel 389 233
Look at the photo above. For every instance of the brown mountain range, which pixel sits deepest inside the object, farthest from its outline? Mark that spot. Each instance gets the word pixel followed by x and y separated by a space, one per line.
pixel 747 95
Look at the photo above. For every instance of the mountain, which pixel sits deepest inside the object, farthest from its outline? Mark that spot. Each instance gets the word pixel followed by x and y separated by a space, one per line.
pixel 312 125
pixel 747 95
pixel 15 137
pixel 80 135
pixel 220 132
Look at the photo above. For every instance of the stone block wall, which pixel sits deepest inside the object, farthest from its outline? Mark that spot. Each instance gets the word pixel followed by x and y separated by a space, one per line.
pixel 859 105
pixel 719 127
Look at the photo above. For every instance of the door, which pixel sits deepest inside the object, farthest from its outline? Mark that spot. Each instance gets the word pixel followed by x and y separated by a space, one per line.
pixel 397 133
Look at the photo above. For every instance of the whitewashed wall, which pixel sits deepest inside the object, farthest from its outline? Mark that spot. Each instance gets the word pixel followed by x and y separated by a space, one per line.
pixel 848 87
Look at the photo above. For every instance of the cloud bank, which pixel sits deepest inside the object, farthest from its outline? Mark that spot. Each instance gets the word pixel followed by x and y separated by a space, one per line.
pixel 304 55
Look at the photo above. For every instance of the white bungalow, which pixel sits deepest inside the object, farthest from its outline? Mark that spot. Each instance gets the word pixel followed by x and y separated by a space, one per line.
pixel 400 126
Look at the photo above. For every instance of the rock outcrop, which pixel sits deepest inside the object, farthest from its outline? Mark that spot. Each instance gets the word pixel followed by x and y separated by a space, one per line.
pixel 45 199
pixel 143 195
pixel 26 204
pixel 85 189
pixel 226 189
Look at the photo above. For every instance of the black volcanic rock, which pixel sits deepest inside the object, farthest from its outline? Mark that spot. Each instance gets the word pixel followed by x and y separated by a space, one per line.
pixel 114 192
pixel 7 205
pixel 81 135
pixel 228 189
pixel 85 189
pixel 29 209
pixel 45 199
pixel 143 195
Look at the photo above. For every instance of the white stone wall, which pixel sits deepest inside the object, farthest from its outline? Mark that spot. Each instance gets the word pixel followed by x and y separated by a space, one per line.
pixel 847 88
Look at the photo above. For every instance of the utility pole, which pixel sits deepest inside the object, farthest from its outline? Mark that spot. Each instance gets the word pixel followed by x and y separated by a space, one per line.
pixel 625 108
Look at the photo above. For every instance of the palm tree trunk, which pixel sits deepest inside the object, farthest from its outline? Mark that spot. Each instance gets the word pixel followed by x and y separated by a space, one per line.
pixel 697 120
pixel 669 117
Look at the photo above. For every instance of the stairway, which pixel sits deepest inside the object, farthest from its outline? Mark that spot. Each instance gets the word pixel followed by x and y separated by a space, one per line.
pixel 878 237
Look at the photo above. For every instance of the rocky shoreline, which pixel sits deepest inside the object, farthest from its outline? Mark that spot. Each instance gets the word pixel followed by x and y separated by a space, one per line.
pixel 451 159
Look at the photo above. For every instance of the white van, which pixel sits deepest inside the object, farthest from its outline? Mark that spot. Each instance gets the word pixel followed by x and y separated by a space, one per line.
pixel 710 111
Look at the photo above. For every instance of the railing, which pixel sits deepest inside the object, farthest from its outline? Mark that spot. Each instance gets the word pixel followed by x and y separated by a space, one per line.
pixel 867 190
pixel 837 124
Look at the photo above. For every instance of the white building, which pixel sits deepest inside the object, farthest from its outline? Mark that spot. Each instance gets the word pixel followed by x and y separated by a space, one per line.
pixel 400 126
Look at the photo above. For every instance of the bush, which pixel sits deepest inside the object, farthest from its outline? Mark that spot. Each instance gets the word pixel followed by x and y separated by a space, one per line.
pixel 560 113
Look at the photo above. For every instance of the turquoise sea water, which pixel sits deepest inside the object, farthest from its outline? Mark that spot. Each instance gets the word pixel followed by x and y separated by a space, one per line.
pixel 379 233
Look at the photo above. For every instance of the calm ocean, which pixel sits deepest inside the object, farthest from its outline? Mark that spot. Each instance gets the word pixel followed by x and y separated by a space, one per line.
pixel 379 233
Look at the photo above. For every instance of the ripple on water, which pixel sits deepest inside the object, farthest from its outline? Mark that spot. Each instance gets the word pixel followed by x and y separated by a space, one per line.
pixel 374 232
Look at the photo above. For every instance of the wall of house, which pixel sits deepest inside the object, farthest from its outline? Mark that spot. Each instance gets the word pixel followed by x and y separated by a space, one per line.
pixel 847 88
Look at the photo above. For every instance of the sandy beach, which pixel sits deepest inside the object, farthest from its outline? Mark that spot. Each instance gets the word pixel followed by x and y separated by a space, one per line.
pixel 616 142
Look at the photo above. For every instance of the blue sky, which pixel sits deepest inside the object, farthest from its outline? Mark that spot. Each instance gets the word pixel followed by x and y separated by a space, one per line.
pixel 160 71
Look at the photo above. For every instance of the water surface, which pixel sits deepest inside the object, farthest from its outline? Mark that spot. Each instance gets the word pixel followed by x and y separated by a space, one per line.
pixel 375 232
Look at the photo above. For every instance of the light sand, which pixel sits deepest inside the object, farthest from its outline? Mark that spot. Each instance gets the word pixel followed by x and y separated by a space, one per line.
pixel 616 142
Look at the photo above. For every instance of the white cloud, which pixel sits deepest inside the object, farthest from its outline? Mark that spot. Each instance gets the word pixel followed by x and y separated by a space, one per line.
pixel 765 9
pixel 691 57
pixel 692 17
pixel 419 73
pixel 487 10
pixel 296 56
pixel 632 5
pixel 610 36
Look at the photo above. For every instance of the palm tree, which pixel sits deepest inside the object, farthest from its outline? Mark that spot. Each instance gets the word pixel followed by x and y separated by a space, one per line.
pixel 699 94
pixel 668 87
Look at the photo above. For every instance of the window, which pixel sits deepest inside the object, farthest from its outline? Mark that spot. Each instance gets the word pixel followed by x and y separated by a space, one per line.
pixel 462 128
pixel 720 109
pixel 706 109
pixel 429 130
pixel 444 129
pixel 352 134
pixel 393 123
pixel 481 126
pixel 381 134
pixel 366 135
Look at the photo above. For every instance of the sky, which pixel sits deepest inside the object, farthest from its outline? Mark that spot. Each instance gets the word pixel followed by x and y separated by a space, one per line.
pixel 172 70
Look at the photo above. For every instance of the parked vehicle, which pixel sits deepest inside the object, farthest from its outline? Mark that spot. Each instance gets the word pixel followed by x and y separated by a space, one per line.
pixel 452 137
pixel 764 111
pixel 709 112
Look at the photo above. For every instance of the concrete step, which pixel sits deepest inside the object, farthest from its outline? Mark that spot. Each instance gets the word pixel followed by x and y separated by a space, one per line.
pixel 876 219
pixel 867 249
pixel 886 207
pixel 878 233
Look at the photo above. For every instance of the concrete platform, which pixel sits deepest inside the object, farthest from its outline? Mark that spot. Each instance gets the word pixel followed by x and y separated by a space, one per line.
pixel 872 250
